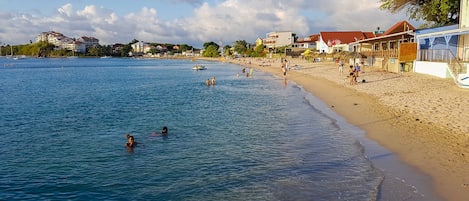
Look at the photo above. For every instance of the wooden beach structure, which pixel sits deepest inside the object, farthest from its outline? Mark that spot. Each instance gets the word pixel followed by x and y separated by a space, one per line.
pixel 383 50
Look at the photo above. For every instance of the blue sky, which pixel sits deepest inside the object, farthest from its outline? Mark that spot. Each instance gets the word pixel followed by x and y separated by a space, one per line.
pixel 193 22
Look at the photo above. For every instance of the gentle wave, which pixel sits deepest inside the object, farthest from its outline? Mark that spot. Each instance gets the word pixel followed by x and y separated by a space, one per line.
pixel 243 139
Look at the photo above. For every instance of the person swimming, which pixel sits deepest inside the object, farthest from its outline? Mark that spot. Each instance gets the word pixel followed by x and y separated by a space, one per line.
pixel 130 141
pixel 164 131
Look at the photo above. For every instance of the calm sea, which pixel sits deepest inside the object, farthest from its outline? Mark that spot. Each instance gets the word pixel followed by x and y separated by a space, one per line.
pixel 63 124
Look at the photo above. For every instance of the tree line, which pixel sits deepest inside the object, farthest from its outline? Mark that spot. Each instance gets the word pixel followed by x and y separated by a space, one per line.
pixel 46 49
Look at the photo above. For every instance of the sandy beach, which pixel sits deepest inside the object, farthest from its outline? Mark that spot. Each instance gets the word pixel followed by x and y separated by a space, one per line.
pixel 424 120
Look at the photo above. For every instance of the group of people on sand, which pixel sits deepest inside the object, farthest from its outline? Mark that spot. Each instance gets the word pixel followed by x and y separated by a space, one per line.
pixel 354 73
pixel 131 143
pixel 211 82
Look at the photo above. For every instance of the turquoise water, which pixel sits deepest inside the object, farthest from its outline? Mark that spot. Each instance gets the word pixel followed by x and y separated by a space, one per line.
pixel 63 122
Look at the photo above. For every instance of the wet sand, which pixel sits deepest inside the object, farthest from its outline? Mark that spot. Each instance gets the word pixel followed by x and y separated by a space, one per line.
pixel 424 120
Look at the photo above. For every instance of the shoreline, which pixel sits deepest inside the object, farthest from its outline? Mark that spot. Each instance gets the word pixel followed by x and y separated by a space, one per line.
pixel 404 113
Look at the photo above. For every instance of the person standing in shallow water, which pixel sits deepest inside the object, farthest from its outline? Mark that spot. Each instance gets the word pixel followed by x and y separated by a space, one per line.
pixel 130 141
pixel 284 70
pixel 214 80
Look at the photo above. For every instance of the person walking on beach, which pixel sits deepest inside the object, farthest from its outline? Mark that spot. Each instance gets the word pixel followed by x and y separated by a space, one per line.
pixel 353 79
pixel 341 68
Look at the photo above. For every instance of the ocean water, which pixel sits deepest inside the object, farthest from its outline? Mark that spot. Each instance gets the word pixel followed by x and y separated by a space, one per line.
pixel 63 124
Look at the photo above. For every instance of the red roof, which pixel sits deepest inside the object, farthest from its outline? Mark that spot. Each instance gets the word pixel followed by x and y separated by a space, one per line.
pixel 399 27
pixel 344 37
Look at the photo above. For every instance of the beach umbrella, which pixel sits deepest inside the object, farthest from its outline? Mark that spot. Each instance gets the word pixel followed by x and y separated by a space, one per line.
pixel 307 52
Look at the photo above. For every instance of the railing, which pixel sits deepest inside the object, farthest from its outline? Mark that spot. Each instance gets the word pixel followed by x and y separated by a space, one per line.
pixel 391 53
pixel 443 55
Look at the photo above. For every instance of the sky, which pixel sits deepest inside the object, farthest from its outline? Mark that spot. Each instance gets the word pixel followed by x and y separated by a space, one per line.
pixel 191 22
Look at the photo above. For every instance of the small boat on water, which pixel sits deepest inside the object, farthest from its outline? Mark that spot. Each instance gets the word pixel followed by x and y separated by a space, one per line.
pixel 199 67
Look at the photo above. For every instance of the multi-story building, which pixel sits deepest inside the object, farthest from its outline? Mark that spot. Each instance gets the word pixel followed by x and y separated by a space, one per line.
pixel 309 42
pixel 63 42
pixel 279 39
pixel 89 41
pixel 139 47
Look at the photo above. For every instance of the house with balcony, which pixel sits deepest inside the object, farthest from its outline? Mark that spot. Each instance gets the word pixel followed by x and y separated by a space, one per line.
pixel 444 51
pixel 309 42
pixel 278 39
pixel 89 41
pixel 52 37
pixel 75 46
pixel 61 41
pixel 138 48
pixel 382 51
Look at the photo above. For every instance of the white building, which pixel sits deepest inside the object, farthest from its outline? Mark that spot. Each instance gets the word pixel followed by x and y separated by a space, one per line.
pixel 75 46
pixel 139 47
pixel 63 42
pixel 89 41
pixel 52 37
pixel 278 39
pixel 309 42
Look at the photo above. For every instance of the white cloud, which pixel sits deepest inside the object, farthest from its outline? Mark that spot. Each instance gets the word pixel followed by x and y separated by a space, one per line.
pixel 226 21
pixel 243 20
pixel 66 9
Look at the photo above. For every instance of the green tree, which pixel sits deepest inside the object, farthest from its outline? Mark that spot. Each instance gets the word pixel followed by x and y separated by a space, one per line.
pixel 124 52
pixel 134 41
pixel 258 51
pixel 240 46
pixel 185 47
pixel 93 51
pixel 434 12
pixel 206 45
pixel 227 50
pixel 211 51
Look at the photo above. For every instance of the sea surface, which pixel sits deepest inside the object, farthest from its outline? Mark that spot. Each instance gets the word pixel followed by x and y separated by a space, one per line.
pixel 63 124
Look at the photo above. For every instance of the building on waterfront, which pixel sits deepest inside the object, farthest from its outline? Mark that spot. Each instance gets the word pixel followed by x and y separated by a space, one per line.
pixel 259 41
pixel 139 48
pixel 382 51
pixel 89 41
pixel 61 41
pixel 278 39
pixel 337 41
pixel 309 42
pixel 444 51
